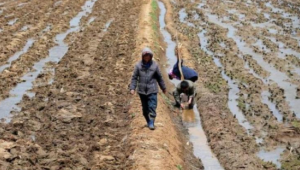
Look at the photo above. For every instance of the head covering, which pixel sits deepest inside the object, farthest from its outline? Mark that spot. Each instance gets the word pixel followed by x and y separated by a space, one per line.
pixel 147 51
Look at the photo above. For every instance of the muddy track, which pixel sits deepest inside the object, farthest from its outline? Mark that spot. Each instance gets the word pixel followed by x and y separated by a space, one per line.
pixel 44 40
pixel 31 24
pixel 218 122
pixel 167 147
pixel 79 121
pixel 69 76
pixel 261 98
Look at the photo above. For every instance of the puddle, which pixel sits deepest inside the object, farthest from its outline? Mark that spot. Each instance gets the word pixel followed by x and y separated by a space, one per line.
pixel 271 156
pixel 294 19
pixel 235 12
pixel 191 117
pixel 57 3
pixel 56 53
pixel 259 43
pixel 25 28
pixel 48 28
pixel 18 54
pixel 267 15
pixel 92 19
pixel 21 4
pixel 107 25
pixel 12 22
pixel 282 50
pixel 265 99
pixel 259 140
pixel 272 31
pixel 275 76
pixel 182 16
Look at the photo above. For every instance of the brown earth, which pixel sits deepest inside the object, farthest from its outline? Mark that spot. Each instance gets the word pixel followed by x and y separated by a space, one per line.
pixel 213 90
pixel 229 141
pixel 86 118
pixel 166 147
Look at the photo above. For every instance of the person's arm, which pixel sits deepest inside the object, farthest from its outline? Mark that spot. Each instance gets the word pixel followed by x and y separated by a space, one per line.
pixel 134 78
pixel 160 80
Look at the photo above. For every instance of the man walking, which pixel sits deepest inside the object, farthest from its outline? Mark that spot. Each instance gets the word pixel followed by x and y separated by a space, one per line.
pixel 145 76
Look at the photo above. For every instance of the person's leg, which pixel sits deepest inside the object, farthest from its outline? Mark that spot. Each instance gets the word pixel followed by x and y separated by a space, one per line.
pixel 144 101
pixel 152 105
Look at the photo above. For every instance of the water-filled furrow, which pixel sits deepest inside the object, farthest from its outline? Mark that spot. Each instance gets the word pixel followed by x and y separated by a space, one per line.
pixel 233 86
pixel 197 134
pixel 275 75
pixel 29 44
pixel 56 53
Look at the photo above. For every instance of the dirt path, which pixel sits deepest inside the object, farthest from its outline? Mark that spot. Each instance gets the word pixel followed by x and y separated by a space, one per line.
pixel 165 147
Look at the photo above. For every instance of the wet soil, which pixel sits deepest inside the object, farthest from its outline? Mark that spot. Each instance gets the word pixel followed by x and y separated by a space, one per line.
pixel 79 121
pixel 76 112
pixel 167 147
pixel 227 33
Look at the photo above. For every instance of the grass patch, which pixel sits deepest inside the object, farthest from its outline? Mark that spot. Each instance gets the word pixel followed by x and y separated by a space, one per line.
pixel 169 102
pixel 241 104
pixel 154 17
pixel 296 124
pixel 179 167
pixel 214 87
pixel 292 163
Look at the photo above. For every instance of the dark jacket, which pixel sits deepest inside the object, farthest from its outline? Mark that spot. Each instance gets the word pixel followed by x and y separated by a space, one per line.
pixel 190 92
pixel 188 73
pixel 146 79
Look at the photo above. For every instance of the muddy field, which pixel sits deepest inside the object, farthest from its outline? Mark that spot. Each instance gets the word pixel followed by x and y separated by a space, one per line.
pixel 65 68
pixel 247 54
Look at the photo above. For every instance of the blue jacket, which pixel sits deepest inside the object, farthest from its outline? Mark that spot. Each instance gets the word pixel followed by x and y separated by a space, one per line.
pixel 188 73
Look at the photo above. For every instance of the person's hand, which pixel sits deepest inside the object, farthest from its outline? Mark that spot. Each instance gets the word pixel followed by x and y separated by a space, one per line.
pixel 182 105
pixel 165 91
pixel 190 100
pixel 132 92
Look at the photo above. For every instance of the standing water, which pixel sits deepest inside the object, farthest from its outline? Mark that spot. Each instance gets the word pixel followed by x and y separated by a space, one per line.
pixel 271 156
pixel 275 75
pixel 56 53
pixel 18 54
pixel 234 90
pixel 197 134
